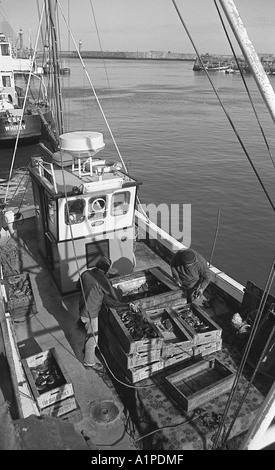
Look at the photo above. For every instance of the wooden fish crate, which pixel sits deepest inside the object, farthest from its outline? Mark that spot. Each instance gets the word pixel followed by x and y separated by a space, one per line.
pixel 20 298
pixel 61 408
pixel 207 348
pixel 58 387
pixel 199 383
pixel 108 336
pixel 213 332
pixel 175 337
pixel 176 358
pixel 140 373
pixel 127 342
pixel 140 358
pixel 136 374
pixel 148 288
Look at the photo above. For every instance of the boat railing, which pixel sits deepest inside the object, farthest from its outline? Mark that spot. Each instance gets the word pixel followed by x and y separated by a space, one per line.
pixel 46 170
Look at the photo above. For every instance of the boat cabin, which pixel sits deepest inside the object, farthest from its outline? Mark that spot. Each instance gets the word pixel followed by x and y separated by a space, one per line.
pixel 8 95
pixel 84 209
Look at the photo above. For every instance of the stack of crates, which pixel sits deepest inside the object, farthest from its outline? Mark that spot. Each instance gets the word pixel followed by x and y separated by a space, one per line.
pixel 138 358
pixel 154 305
pixel 173 340
pixel 20 298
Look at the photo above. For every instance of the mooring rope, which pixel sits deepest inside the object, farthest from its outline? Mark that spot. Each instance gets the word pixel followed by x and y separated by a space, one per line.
pixel 24 104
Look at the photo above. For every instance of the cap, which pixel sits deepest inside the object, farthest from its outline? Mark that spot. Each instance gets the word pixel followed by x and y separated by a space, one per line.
pixel 188 257
pixel 104 263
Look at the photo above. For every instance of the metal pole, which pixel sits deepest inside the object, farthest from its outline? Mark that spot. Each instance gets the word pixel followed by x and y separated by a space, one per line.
pixel 216 236
pixel 250 54
pixel 56 68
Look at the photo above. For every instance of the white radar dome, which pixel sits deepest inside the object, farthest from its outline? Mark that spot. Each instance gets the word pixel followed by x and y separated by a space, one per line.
pixel 82 141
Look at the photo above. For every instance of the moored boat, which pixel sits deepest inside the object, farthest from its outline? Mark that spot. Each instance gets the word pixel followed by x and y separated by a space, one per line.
pixel 20 110
pixel 63 69
pixel 210 64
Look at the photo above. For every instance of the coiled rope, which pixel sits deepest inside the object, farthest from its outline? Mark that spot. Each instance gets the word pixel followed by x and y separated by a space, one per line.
pixel 245 85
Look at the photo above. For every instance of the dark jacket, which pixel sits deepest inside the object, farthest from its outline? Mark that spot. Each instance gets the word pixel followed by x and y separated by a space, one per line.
pixel 95 285
pixel 192 274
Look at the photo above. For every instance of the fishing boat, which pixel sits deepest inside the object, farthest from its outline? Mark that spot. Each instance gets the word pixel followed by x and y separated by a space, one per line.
pixel 63 69
pixel 211 64
pixel 177 388
pixel 24 108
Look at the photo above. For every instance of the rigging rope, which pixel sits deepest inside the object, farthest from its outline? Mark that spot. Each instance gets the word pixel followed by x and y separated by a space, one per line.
pixel 226 436
pixel 253 332
pixel 247 349
pixel 67 204
pixel 93 89
pixel 246 87
pixel 225 111
pixel 65 191
pixel 98 103
pixel 24 105
pixel 4 15
pixel 107 77
pixel 98 37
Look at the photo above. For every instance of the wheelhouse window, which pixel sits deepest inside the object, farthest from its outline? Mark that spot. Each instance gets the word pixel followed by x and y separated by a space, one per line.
pixel 51 213
pixel 51 209
pixel 6 80
pixel 120 203
pixel 97 209
pixel 96 250
pixel 5 49
pixel 74 211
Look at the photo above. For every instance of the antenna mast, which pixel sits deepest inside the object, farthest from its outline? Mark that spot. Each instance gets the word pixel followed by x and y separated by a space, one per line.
pixel 55 64
pixel 250 54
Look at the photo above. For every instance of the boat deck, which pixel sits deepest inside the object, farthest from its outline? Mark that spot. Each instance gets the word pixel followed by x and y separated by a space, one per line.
pixel 55 326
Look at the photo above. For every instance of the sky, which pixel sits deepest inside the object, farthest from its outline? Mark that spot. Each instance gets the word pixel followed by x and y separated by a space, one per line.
pixel 147 25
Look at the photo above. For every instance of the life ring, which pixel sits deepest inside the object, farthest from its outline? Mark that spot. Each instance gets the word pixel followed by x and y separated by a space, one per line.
pixel 102 205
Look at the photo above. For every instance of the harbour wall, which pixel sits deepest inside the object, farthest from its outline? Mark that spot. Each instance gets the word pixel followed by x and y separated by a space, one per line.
pixel 149 55
pixel 136 55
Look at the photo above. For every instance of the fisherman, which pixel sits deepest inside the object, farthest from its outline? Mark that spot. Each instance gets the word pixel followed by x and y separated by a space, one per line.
pixel 94 289
pixel 190 270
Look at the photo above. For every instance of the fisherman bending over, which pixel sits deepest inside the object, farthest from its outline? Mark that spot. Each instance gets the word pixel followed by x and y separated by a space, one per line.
pixel 190 270
pixel 96 286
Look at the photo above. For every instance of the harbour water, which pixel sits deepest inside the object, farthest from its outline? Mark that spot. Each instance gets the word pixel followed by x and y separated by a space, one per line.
pixel 175 138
